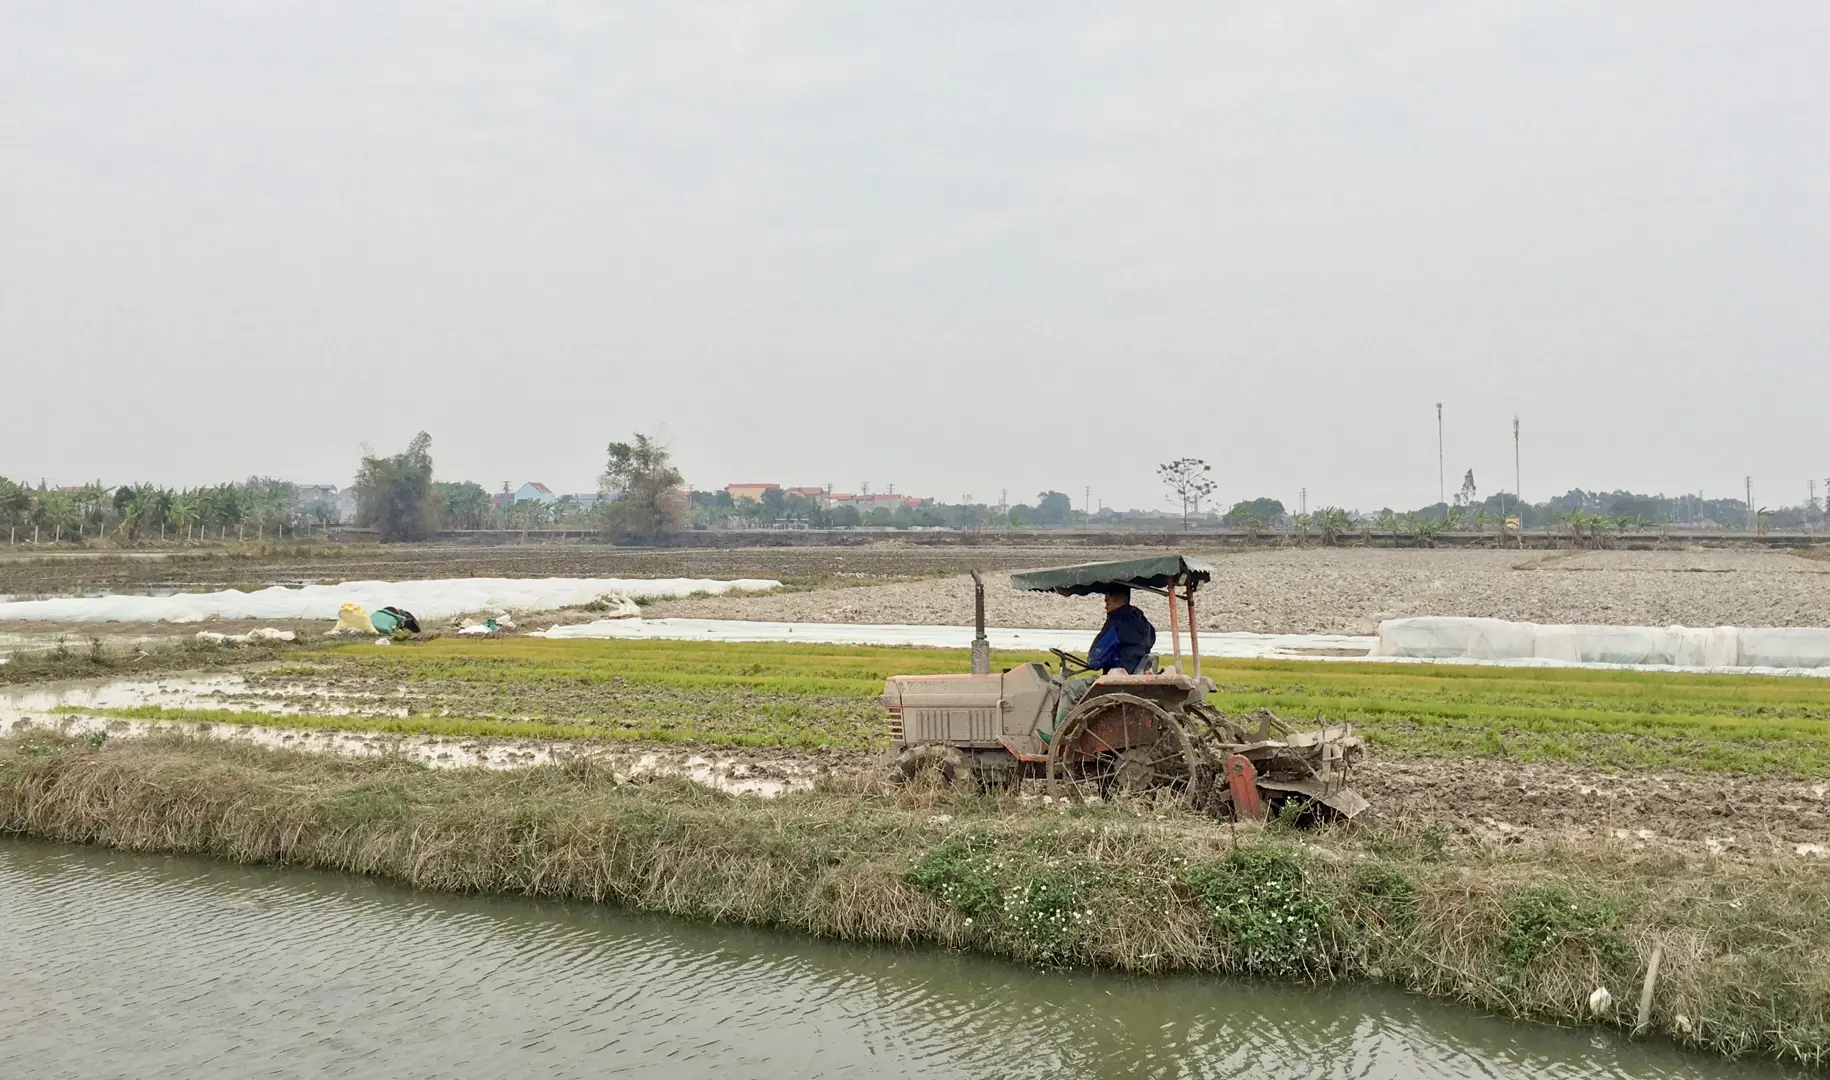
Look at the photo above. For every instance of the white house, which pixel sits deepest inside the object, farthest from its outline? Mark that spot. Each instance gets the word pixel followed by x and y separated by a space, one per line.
pixel 535 491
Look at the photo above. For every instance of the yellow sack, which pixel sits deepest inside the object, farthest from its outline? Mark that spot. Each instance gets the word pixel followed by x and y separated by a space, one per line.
pixel 353 618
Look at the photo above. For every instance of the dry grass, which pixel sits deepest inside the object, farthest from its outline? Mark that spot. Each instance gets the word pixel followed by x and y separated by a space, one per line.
pixel 1526 930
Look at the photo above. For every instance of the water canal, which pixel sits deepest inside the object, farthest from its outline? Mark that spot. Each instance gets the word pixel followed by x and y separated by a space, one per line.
pixel 121 965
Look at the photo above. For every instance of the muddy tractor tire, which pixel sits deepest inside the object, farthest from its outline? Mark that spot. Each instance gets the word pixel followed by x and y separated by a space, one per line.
pixel 1124 746
pixel 942 766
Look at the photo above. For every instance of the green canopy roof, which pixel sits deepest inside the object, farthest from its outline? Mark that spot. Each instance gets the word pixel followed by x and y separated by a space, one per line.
pixel 1155 573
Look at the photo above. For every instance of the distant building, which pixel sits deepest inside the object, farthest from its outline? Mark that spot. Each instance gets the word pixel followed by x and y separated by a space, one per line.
pixel 864 504
pixel 533 491
pixel 752 492
pixel 336 504
pixel 819 496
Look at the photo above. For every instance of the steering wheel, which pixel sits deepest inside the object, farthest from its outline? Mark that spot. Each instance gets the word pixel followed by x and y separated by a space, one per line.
pixel 1068 658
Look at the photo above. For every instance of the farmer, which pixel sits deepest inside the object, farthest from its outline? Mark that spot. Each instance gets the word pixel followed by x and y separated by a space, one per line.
pixel 1121 645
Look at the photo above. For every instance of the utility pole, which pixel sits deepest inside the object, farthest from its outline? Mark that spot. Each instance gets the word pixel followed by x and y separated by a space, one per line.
pixel 1302 500
pixel 1518 487
pixel 1811 500
pixel 1750 504
pixel 1086 505
pixel 1442 484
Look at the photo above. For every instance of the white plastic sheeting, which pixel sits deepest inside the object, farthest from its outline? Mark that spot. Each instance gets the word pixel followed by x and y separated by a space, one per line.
pixel 950 637
pixel 436 599
pixel 1714 648
pixel 1322 647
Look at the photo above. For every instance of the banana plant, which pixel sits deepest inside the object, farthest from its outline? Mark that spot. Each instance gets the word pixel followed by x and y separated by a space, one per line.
pixel 1333 523
pixel 184 512
pixel 54 512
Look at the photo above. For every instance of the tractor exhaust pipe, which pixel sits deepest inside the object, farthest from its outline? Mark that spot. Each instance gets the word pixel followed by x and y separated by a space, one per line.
pixel 981 648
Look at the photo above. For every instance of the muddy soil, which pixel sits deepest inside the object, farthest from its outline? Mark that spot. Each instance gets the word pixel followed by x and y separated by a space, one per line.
pixel 1507 802
pixel 33 635
pixel 739 771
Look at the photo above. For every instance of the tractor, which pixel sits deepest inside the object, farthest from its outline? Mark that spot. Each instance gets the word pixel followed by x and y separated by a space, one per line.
pixel 1148 734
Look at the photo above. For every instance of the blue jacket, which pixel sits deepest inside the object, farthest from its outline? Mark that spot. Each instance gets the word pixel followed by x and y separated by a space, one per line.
pixel 1123 642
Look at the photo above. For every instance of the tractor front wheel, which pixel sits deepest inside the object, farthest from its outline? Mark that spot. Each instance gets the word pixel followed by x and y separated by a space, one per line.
pixel 933 764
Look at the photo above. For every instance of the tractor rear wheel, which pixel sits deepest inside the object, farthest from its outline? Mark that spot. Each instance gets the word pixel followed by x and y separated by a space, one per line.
pixel 1124 746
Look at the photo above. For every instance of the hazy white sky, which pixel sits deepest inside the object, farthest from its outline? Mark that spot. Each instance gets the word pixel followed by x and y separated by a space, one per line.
pixel 956 247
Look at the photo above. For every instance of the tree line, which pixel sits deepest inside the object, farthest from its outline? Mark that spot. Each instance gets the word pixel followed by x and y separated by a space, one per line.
pixel 258 506
pixel 643 496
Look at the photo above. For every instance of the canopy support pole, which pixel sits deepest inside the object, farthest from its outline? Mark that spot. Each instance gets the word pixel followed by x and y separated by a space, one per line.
pixel 1175 636
pixel 1194 641
pixel 981 648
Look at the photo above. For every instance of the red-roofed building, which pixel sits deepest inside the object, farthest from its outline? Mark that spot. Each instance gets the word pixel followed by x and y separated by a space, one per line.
pixel 532 490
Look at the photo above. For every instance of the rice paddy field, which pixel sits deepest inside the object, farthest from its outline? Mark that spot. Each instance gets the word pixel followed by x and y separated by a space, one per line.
pixel 785 695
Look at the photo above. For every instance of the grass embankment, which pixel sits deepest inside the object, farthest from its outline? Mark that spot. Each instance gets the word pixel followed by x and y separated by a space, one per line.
pixel 826 696
pixel 1526 931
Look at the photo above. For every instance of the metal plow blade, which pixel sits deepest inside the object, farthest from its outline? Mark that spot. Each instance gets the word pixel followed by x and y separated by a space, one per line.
pixel 1312 764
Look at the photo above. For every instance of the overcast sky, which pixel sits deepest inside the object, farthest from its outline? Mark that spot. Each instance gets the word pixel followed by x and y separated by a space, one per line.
pixel 955 247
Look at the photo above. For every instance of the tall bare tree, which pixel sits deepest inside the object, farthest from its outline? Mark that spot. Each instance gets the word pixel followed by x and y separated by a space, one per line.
pixel 1188 483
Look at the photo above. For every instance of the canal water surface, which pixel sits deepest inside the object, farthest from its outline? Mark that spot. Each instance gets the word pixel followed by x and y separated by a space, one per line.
pixel 119 965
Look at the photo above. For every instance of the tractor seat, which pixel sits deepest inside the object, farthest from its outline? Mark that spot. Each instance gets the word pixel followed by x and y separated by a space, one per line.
pixel 1152 678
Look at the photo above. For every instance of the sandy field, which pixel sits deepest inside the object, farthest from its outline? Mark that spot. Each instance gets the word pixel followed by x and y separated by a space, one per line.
pixel 1350 590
